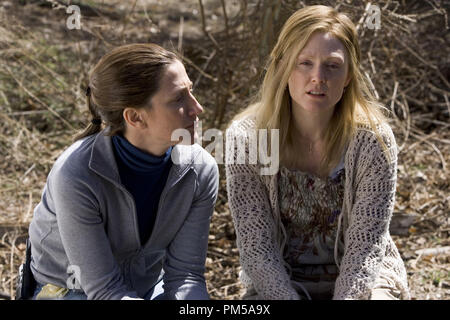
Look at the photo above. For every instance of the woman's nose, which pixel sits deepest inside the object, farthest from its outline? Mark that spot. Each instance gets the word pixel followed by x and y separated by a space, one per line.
pixel 318 75
pixel 195 108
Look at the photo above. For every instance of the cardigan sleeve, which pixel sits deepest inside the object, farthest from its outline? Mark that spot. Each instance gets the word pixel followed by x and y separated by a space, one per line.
pixel 373 196
pixel 260 256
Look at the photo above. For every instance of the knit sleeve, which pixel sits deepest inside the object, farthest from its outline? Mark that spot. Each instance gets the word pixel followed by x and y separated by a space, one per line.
pixel 248 199
pixel 373 196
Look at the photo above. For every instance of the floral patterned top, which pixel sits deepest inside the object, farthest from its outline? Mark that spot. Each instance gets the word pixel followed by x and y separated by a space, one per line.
pixel 309 208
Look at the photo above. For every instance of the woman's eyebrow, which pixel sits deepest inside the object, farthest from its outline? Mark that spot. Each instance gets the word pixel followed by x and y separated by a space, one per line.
pixel 179 90
pixel 331 56
pixel 336 56
pixel 183 86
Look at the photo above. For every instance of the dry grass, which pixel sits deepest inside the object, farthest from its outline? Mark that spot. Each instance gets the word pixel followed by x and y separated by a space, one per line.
pixel 43 72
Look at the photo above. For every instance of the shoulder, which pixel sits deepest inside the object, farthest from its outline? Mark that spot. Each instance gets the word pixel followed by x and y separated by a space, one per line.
pixel 70 178
pixel 368 140
pixel 241 127
pixel 203 163
pixel 369 147
pixel 366 132
pixel 74 161
pixel 240 134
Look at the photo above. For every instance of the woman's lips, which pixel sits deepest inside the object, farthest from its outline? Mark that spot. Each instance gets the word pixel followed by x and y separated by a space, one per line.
pixel 194 124
pixel 316 96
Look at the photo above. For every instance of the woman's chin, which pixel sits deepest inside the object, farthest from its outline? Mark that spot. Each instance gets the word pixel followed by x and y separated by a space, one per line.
pixel 316 106
pixel 187 141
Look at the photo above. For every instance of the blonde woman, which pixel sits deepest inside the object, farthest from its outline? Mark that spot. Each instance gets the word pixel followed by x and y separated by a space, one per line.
pixel 319 227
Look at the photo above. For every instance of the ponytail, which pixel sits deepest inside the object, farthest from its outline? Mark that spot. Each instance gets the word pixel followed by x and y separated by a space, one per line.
pixel 95 126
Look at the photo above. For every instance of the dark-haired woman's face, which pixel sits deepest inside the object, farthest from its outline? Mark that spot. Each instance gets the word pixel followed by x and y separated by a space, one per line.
pixel 172 107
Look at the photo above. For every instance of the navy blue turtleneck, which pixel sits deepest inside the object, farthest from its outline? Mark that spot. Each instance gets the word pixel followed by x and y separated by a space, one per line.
pixel 144 176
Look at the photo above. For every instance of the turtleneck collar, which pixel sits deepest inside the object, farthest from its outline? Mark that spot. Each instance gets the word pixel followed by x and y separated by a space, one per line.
pixel 138 160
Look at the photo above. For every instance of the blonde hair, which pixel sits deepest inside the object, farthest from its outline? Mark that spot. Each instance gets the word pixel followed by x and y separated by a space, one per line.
pixel 357 106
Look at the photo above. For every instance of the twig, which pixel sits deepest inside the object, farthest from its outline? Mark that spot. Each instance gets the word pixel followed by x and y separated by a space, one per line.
pixel 205 31
pixel 405 109
pixel 225 16
pixel 441 123
pixel 125 21
pixel 432 66
pixel 433 251
pixel 413 264
pixel 424 139
pixel 363 17
pixel 13 247
pixel 409 18
pixel 394 94
pixel 415 54
pixel 4 98
pixel 437 90
pixel 208 60
pixel 56 76
pixel 440 11
pixel 199 69
pixel 37 99
pixel 426 204
pixel 180 35
pixel 377 96
pixel 149 19
pixel 30 207
pixel 448 104
pixel 28 171
pixel 371 62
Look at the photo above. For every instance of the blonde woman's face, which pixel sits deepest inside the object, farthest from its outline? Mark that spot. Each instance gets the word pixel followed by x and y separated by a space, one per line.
pixel 320 74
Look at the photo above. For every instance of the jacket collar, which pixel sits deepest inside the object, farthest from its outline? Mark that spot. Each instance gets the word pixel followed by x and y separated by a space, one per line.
pixel 103 161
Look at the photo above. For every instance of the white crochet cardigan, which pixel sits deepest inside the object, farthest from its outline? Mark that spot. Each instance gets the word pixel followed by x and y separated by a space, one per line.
pixel 369 195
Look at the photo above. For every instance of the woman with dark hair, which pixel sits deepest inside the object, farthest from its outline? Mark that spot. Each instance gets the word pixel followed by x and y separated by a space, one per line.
pixel 319 226
pixel 119 217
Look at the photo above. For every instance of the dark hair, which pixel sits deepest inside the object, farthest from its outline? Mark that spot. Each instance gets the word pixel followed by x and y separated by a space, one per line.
pixel 127 76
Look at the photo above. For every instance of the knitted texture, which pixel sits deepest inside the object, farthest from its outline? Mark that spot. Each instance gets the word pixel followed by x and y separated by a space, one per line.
pixel 369 195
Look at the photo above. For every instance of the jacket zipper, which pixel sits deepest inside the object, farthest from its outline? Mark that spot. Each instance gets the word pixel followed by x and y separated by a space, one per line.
pixel 135 222
pixel 130 197
pixel 163 195
pixel 161 203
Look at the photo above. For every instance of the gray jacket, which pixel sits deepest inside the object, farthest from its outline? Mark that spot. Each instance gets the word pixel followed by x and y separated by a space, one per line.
pixel 86 225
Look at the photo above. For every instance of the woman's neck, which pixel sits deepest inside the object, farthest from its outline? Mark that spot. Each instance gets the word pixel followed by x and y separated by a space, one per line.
pixel 307 135
pixel 310 127
pixel 141 141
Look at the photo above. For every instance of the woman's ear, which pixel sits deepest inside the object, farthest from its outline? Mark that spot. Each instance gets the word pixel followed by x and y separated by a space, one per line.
pixel 134 118
pixel 349 78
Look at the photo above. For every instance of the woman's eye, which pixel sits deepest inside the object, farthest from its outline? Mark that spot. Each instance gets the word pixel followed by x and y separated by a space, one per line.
pixel 333 66
pixel 305 63
pixel 184 95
